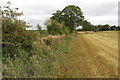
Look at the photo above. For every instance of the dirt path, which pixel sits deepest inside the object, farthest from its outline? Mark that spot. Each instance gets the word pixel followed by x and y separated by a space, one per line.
pixel 90 58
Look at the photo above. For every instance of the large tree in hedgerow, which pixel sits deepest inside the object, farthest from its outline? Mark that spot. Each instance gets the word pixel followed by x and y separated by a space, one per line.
pixel 71 16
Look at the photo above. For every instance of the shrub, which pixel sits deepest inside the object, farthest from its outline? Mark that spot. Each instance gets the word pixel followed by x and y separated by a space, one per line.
pixel 56 28
pixel 15 36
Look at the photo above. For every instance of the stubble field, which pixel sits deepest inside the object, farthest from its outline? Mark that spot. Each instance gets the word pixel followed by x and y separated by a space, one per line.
pixel 93 55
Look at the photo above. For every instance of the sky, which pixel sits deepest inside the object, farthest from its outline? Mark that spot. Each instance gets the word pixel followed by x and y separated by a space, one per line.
pixel 95 11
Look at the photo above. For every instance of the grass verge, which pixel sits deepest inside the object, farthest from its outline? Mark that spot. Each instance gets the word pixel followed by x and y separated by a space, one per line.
pixel 43 62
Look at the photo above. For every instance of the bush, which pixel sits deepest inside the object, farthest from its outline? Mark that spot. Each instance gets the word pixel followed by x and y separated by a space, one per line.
pixel 44 61
pixel 15 36
pixel 55 28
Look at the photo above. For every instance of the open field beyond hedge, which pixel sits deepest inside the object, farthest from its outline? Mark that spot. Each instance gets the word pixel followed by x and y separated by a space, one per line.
pixel 93 55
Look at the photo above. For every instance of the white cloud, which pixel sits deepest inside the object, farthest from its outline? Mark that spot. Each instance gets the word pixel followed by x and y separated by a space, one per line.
pixel 95 11
pixel 106 19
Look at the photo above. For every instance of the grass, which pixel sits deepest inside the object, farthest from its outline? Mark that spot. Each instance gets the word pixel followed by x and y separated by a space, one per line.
pixel 43 62
pixel 82 56
pixel 93 56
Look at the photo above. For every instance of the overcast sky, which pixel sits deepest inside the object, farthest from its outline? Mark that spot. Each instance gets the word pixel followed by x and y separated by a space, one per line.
pixel 95 11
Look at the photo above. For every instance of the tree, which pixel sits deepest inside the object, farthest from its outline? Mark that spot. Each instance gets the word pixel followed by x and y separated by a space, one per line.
pixel 15 36
pixel 40 29
pixel 71 16
pixel 104 27
pixel 86 26
pixel 57 16
pixel 114 28
pixel 118 27
pixel 56 28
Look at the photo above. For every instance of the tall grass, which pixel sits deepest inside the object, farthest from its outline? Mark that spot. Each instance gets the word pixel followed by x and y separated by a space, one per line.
pixel 44 60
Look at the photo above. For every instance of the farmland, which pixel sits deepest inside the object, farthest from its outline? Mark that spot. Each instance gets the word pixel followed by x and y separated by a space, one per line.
pixel 93 55
pixel 57 49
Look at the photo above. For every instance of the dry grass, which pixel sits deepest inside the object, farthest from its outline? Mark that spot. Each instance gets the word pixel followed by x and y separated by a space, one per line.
pixel 93 56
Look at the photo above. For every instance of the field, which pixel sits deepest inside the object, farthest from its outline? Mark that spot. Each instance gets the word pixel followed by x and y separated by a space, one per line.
pixel 93 55
pixel 63 45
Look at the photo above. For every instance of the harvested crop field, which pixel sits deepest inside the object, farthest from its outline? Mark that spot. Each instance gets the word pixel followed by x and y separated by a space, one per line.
pixel 92 56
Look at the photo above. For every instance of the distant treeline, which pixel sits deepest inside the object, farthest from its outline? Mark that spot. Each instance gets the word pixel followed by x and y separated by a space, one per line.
pixel 96 28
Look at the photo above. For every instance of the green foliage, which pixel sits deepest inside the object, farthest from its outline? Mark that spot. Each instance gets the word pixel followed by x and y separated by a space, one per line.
pixel 80 29
pixel 71 15
pixel 104 27
pixel 55 28
pixel 44 62
pixel 27 45
pixel 86 26
pixel 66 30
pixel 15 36
pixel 114 28
pixel 62 45
pixel 95 28
pixel 40 29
